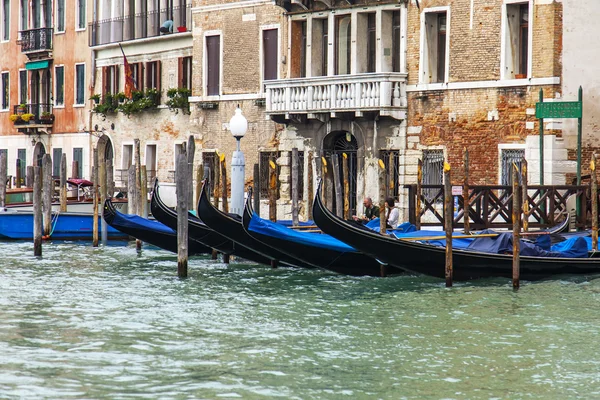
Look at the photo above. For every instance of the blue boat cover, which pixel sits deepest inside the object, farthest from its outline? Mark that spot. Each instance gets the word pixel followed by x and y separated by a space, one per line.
pixel 503 244
pixel 272 229
pixel 289 222
pixel 137 222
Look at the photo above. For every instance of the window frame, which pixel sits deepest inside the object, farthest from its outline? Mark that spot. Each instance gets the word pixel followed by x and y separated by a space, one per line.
pixel 207 34
pixel 110 85
pixel 78 22
pixel 58 19
pixel 5 91
pixel 337 18
pixel 262 60
pixel 75 86
pixel 184 72
pixel 5 21
pixel 424 47
pixel 504 42
pixel 504 147
pixel 26 100
pixel 55 88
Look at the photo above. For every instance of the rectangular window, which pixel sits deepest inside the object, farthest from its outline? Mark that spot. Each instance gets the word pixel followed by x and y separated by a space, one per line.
pixel 391 160
pixel 153 75
pixel 5 20
pixel 510 157
pixel 5 91
pixel 298 45
pixel 435 48
pixel 343 41
pixel 22 164
pixel 24 15
pixel 56 159
pixel 185 72
pixel 396 40
pixel 265 170
pixel 213 65
pixel 59 85
pixel 78 157
pixel 324 47
pixel 515 55
pixel 371 42
pixel 270 54
pixel 81 17
pixel 136 74
pixel 433 172
pixel 79 84
pixel 110 80
pixel 127 160
pixel 23 85
pixel 150 163
pixel 60 15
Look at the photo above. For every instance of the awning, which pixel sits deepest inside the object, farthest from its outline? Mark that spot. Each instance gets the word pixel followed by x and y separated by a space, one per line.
pixel 43 64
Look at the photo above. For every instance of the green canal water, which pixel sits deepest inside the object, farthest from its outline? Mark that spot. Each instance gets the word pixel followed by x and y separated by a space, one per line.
pixel 85 323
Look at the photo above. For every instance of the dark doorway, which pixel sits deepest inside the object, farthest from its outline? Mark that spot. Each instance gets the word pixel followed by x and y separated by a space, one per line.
pixel 334 145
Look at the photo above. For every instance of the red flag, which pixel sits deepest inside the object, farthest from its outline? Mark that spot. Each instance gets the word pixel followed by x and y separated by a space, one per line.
pixel 129 82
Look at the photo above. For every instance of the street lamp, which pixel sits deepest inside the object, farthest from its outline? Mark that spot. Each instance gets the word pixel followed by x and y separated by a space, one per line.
pixel 238 125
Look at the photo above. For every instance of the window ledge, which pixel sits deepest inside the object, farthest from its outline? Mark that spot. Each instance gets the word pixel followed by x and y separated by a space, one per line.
pixel 484 84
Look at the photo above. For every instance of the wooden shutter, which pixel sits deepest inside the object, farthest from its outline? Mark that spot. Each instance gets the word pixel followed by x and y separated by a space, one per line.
pixel 269 54
pixel 213 63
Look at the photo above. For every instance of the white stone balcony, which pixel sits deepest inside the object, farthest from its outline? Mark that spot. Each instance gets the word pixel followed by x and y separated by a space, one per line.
pixel 380 92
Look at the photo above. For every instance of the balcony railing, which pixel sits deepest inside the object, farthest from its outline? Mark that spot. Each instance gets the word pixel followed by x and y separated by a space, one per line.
pixel 38 39
pixel 42 113
pixel 383 92
pixel 122 176
pixel 139 26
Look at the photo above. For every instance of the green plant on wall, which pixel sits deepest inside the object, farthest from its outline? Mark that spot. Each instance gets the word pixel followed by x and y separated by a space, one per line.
pixel 178 100
pixel 140 101
pixel 108 105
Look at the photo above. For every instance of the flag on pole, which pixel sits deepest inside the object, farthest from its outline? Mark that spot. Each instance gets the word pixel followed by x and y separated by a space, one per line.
pixel 129 82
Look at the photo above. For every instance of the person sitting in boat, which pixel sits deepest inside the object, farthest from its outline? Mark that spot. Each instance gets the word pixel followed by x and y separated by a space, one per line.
pixel 393 215
pixel 371 211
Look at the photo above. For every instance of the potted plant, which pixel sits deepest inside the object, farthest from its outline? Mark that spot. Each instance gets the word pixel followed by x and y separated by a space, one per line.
pixel 21 108
pixel 47 117
pixel 95 98
pixel 27 117
pixel 16 118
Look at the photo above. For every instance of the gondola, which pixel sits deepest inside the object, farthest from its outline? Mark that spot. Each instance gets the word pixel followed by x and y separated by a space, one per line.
pixel 317 249
pixel 199 232
pixel 231 227
pixel 148 231
pixel 430 260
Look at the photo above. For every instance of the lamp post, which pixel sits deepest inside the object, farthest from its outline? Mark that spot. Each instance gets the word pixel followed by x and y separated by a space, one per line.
pixel 238 125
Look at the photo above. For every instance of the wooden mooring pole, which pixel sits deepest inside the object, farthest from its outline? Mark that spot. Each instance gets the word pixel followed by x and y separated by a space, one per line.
pixel 63 183
pixel 310 188
pixel 324 178
pixel 138 185
pixel 95 198
pixel 448 217
pixel 37 212
pixel 295 185
pixel 29 176
pixel 224 191
pixel 346 186
pixel 272 191
pixel 256 189
pixel 382 211
pixel 18 174
pixel 3 178
pixel 182 193
pixel 516 217
pixel 191 152
pixel 466 201
pixel 337 184
pixel 419 194
pixel 103 184
pixel 144 191
pixel 525 195
pixel 199 179
pixel 594 203
pixel 47 192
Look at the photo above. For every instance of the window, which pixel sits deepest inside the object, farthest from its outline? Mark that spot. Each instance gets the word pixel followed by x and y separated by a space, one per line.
pixel 60 15
pixel 510 157
pixel 77 158
pixel 185 72
pixel 324 23
pixel 21 165
pixel 5 91
pixel 56 160
pixel 81 17
pixel 392 171
pixel 265 169
pixel 213 65
pixel 435 47
pixel 150 162
pixel 433 171
pixel 23 85
pixel 516 41
pixel 24 15
pixel 137 74
pixel 270 37
pixel 153 75
pixel 110 80
pixel 371 42
pixel 59 85
pixel 79 84
pixel 343 40
pixel 5 20
pixel 127 160
pixel 396 40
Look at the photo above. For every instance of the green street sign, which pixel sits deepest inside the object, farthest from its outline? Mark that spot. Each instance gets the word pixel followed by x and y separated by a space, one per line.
pixel 558 109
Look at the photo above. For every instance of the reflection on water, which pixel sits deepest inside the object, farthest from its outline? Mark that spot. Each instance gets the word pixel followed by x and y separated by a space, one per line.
pixel 109 323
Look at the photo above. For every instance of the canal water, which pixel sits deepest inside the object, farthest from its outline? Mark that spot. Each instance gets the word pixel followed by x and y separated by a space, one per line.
pixel 84 323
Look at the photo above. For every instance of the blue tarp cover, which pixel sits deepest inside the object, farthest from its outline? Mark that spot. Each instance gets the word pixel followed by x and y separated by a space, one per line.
pixel 503 244
pixel 137 222
pixel 273 229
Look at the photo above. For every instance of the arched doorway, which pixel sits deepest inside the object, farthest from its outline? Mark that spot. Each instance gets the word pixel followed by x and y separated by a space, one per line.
pixel 334 145
pixel 38 152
